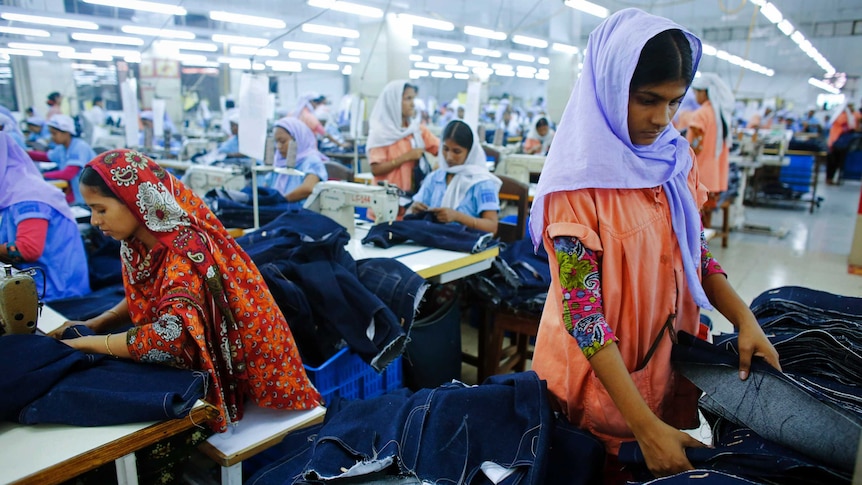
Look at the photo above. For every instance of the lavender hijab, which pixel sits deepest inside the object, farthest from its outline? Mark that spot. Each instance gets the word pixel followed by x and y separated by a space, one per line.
pixel 593 149
pixel 21 181
pixel 306 142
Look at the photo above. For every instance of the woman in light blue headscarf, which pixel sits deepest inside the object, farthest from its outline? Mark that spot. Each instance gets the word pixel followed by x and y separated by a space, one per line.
pixel 617 211
pixel 309 161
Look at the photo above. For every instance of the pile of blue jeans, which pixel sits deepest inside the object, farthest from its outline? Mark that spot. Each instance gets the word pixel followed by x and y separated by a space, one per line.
pixel 425 231
pixel 236 209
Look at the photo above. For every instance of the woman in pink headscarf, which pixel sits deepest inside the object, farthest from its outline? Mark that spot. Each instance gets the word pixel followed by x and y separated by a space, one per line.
pixel 617 211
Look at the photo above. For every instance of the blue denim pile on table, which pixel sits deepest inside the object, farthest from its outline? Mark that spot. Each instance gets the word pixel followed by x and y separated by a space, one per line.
pixel 699 477
pixel 329 299
pixel 424 231
pixel 236 209
pixel 43 380
pixel 777 406
pixel 455 433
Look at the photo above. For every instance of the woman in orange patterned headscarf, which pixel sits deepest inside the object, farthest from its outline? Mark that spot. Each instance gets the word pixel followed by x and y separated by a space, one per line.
pixel 195 298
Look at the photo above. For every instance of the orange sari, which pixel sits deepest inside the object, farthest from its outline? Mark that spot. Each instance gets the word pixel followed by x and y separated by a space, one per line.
pixel 197 300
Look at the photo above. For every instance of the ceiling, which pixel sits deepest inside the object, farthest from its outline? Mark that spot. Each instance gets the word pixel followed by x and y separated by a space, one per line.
pixel 834 27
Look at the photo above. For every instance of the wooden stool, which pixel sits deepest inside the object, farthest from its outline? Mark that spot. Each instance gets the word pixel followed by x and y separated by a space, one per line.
pixel 523 326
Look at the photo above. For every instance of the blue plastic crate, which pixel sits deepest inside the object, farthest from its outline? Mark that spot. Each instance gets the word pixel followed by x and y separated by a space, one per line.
pixel 346 375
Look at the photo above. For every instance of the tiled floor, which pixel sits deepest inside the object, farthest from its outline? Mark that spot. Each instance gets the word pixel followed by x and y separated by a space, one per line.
pixel 813 253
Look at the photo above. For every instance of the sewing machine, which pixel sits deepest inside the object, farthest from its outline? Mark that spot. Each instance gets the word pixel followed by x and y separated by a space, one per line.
pixel 203 178
pixel 519 167
pixel 337 200
pixel 19 302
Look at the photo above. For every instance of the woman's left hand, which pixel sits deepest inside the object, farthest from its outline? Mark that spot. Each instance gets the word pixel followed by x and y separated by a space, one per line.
pixel 445 214
pixel 752 341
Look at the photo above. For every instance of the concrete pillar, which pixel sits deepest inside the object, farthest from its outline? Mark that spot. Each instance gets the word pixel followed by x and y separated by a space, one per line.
pixel 60 80
pixel 566 29
pixel 385 52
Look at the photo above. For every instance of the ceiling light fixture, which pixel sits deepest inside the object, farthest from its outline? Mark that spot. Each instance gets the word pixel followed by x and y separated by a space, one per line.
pixel 461 75
pixel 244 50
pixel 479 51
pixel 306 46
pixel 517 56
pixel 189 46
pixel 23 31
pixel 441 74
pixel 824 86
pixel 85 56
pixel 333 31
pixel 565 48
pixel 486 33
pixel 544 60
pixel 530 41
pixel 319 66
pixel 36 19
pixel 348 7
pixel 140 5
pixel 21 52
pixel 445 46
pixel 254 20
pixel 426 22
pixel 427 65
pixel 237 39
pixel 771 13
pixel 454 68
pixel 442 60
pixel 417 73
pixel 285 66
pixel 115 52
pixel 348 59
pixel 350 51
pixel 785 27
pixel 472 63
pixel 415 58
pixel 308 56
pixel 41 47
pixel 154 32
pixel 107 39
pixel 588 7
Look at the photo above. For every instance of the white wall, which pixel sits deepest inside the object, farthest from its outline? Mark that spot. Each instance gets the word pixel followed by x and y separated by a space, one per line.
pixel 47 76
pixel 331 84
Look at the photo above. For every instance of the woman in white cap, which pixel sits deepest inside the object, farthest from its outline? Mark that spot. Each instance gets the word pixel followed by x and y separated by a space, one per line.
pixel 230 147
pixel 70 154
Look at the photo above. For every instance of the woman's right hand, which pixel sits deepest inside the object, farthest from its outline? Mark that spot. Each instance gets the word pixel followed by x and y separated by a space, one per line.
pixel 664 447
pixel 419 207
pixel 58 332
pixel 416 153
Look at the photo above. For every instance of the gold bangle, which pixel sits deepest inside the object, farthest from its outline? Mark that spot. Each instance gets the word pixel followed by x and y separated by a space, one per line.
pixel 108 346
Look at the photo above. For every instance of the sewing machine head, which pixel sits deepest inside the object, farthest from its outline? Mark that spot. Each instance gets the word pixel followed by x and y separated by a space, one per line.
pixel 19 302
pixel 203 178
pixel 338 200
pixel 519 167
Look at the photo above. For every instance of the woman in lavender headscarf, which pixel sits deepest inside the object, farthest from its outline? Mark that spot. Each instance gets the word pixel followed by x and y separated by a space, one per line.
pixel 617 210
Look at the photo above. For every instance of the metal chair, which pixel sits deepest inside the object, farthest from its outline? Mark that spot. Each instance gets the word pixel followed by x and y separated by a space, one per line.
pixel 337 171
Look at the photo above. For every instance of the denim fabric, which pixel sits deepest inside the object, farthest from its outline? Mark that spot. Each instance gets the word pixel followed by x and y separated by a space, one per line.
pixel 284 462
pixel 103 257
pixel 739 451
pixel 789 298
pixel 43 380
pixel 395 284
pixel 441 435
pixel 700 477
pixel 232 213
pixel 308 251
pixel 576 457
pixel 774 405
pixel 91 305
pixel 454 237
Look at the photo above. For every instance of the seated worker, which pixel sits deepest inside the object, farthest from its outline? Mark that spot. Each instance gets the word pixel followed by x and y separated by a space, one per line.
pixel 194 298
pixel 397 142
pixel 305 109
pixel 70 154
pixel 462 189
pixel 37 131
pixel 10 127
pixel 296 188
pixel 158 138
pixel 539 138
pixel 230 147
pixel 37 228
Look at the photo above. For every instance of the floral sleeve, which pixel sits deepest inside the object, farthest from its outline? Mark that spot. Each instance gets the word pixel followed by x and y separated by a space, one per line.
pixel 708 264
pixel 583 314
pixel 167 340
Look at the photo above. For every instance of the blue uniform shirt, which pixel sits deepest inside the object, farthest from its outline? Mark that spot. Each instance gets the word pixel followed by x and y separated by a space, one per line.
pixel 481 197
pixel 78 154
pixel 63 258
pixel 286 184
pixel 231 145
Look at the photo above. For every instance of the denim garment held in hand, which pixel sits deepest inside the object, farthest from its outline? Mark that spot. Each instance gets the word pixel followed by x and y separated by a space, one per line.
pixel 452 237
pixel 43 380
pixel 772 404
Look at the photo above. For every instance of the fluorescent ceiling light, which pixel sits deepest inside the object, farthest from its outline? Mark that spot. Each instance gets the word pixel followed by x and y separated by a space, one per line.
pixel 22 31
pixel 195 60
pixel 245 50
pixel 20 52
pixel 483 71
pixel 486 33
pixel 461 75
pixel 36 19
pixel 426 22
pixel 478 51
pixel 472 63
pixel 107 39
pixel 427 65
pixel 501 67
pixel 798 38
pixel 41 47
pixel 454 68
pixel 442 74
pixel 347 70
pixel 442 60
pixel 133 60
pixel 445 46
pixel 85 56
pixel 824 86
pixel 517 56
pixel 543 77
pixel 588 7
pixel 285 66
pixel 786 27
pixel 236 39
pixel 544 70
pixel 327 30
pixel 230 60
pixel 529 69
pixel 189 46
pixel 415 58
pixel 544 60
pixel 759 3
pixel 154 32
pixel 708 50
pixel 254 20
pixel 525 75
pixel 505 73
pixel 417 73
pixel 348 7
pixel 140 5
pixel 78 65
pixel 306 46
pixel 115 52
pixel 350 59
pixel 200 64
pixel 566 48
pixel 319 66
pixel 530 41
pixel 308 56
pixel 771 13
pixel 350 51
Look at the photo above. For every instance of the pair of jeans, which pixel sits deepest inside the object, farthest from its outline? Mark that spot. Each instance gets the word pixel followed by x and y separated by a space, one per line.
pixel 701 477
pixel 774 405
pixel 43 380
pixel 818 303
pixel 452 237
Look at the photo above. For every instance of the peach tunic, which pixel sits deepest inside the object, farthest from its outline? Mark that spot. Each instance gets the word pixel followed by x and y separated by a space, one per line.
pixel 402 176
pixel 713 172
